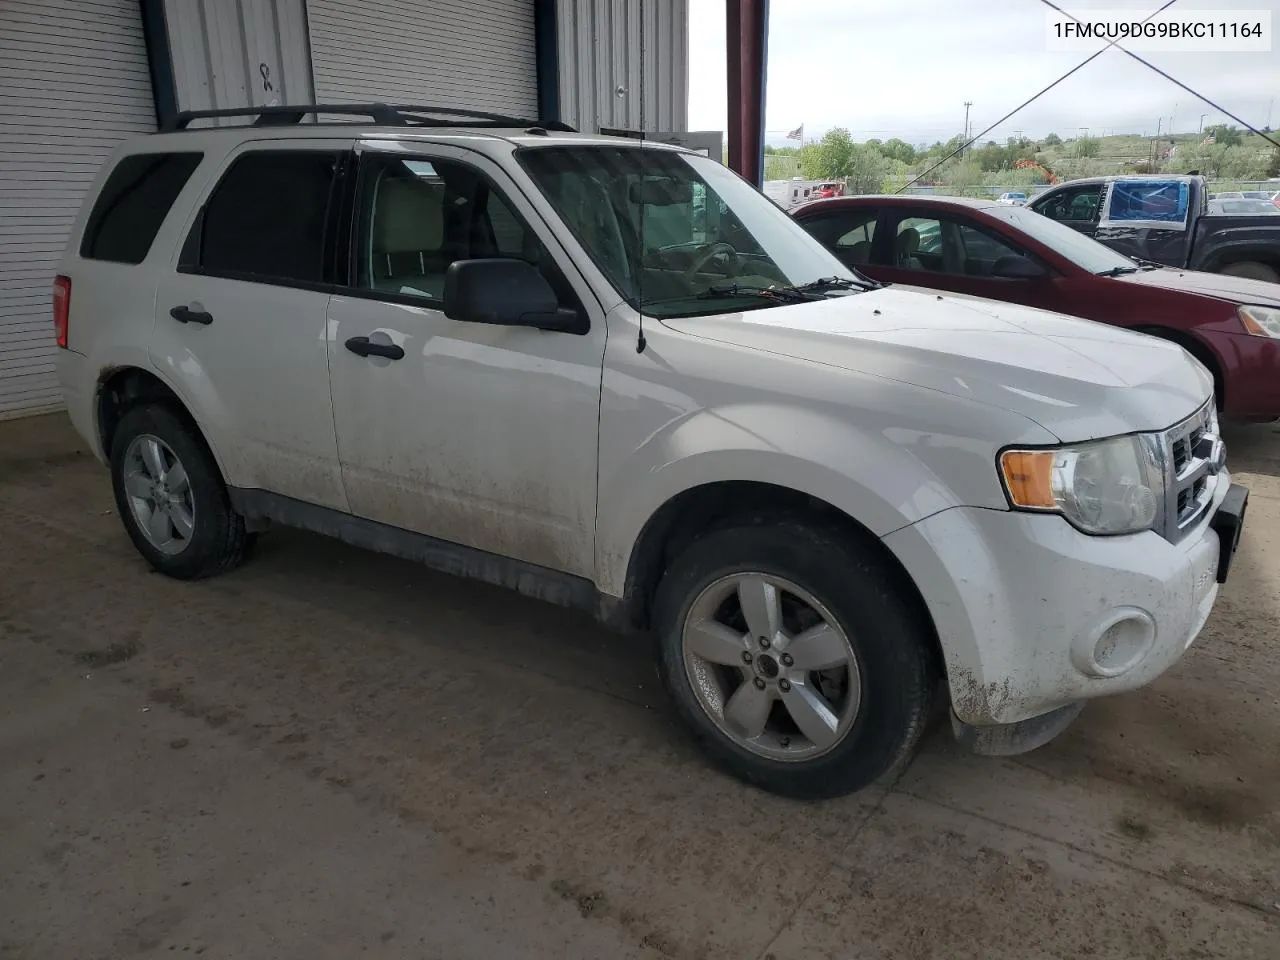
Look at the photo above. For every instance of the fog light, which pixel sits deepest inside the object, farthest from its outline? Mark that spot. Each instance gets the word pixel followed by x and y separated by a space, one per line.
pixel 1116 644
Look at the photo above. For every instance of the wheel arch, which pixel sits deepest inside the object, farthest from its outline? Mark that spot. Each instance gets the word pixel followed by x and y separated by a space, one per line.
pixel 1268 256
pixel 699 510
pixel 120 389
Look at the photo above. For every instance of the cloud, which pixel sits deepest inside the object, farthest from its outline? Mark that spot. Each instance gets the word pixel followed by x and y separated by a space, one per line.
pixel 885 68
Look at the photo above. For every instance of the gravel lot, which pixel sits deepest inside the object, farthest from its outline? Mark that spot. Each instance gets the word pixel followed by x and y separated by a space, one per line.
pixel 331 753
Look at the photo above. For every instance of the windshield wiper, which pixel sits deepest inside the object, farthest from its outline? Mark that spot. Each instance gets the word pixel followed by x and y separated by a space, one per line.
pixel 721 291
pixel 837 283
pixel 1116 271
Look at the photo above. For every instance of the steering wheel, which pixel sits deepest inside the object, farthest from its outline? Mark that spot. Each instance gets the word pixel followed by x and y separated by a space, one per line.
pixel 708 252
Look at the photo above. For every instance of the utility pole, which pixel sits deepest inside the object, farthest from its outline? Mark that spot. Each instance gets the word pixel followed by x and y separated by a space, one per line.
pixel 967 105
pixel 1202 116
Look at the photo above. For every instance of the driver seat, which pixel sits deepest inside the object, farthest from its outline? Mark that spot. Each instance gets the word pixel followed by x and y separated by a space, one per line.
pixel 905 247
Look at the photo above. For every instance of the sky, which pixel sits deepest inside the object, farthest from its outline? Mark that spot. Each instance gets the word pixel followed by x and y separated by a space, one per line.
pixel 903 68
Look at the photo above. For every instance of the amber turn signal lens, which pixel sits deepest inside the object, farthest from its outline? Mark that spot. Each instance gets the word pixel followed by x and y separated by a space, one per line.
pixel 1028 476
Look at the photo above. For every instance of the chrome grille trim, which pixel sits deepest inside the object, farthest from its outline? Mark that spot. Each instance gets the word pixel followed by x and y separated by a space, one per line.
pixel 1194 456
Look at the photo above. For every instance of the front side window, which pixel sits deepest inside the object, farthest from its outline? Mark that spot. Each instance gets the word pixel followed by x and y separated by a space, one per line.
pixel 1075 205
pixel 133 204
pixel 417 216
pixel 677 234
pixel 266 219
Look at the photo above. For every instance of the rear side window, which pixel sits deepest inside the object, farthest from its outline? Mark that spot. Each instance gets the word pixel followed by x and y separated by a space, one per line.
pixel 266 219
pixel 133 203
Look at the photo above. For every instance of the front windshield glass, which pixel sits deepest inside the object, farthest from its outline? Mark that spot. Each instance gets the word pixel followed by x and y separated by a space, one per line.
pixel 677 234
pixel 1085 252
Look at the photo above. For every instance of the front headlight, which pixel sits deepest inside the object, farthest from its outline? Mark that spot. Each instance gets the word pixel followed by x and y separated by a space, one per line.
pixel 1103 487
pixel 1260 321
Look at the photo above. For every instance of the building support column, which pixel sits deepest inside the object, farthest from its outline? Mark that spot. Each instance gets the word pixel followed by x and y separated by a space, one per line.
pixel 747 36
pixel 546 30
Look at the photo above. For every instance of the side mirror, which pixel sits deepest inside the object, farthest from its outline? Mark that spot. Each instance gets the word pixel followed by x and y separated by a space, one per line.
pixel 1018 268
pixel 506 292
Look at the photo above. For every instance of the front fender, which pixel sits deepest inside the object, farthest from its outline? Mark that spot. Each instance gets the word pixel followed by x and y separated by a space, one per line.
pixel 875 477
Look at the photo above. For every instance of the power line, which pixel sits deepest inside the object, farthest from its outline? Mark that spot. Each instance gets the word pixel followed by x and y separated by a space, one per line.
pixel 1147 63
pixel 1033 97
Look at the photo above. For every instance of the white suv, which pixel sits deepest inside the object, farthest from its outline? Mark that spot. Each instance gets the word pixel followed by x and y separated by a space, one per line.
pixel 611 374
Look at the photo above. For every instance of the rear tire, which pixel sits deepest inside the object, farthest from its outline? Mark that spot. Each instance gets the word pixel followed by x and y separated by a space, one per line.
pixel 890 679
pixel 171 497
pixel 1251 270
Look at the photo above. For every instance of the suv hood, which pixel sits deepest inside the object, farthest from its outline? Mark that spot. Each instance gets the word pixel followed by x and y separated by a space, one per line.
pixel 1076 378
pixel 1218 285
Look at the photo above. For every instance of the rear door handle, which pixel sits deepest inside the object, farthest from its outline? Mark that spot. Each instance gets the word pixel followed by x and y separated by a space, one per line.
pixel 364 347
pixel 184 314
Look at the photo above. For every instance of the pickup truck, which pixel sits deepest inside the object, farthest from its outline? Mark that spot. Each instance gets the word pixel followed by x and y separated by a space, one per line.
pixel 1166 220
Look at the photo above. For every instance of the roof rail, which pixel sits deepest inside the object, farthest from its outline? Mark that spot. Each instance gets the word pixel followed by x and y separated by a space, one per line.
pixel 380 114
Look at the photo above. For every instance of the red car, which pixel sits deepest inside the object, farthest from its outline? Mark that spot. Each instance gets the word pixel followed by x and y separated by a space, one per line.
pixel 986 249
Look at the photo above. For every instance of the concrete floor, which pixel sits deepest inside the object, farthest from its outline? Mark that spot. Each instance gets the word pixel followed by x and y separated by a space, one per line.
pixel 330 753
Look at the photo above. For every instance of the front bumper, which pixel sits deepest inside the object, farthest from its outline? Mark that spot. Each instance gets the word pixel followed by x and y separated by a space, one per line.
pixel 1251 377
pixel 1034 616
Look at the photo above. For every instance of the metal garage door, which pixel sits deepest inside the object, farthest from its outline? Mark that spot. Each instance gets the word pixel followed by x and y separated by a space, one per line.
pixel 476 54
pixel 73 84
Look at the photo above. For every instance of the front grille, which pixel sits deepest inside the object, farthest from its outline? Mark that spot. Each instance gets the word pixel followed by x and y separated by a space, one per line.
pixel 1194 458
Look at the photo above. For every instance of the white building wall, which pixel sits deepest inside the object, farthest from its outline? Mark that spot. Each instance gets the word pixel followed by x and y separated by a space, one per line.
pixel 624 64
pixel 239 53
pixel 74 83
pixel 469 54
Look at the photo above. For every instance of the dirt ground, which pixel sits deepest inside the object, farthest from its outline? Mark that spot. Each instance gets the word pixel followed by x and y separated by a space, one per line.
pixel 334 754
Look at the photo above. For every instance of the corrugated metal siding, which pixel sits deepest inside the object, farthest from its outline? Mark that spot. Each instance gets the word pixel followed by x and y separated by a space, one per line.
pixel 227 52
pixel 447 53
pixel 608 44
pixel 75 84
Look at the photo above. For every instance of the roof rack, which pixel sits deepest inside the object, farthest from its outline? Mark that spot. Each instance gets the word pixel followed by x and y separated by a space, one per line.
pixel 380 114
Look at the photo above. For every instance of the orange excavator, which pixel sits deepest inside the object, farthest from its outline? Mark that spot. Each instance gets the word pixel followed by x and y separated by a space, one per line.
pixel 1049 175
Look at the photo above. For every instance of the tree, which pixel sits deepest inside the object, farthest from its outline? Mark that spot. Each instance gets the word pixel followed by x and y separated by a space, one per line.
pixel 868 169
pixel 1225 135
pixel 1217 161
pixel 1273 167
pixel 896 149
pixel 963 177
pixel 1053 140
pixel 831 158
pixel 779 168
pixel 992 156
pixel 1087 147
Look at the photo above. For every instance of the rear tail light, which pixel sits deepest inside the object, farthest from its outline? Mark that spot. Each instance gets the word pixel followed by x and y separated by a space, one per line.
pixel 61 309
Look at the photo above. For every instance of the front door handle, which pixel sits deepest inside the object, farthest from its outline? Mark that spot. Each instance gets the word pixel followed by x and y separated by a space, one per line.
pixel 364 347
pixel 184 314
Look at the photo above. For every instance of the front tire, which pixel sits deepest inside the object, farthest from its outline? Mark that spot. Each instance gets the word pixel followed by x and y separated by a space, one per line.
pixel 171 498
pixel 799 665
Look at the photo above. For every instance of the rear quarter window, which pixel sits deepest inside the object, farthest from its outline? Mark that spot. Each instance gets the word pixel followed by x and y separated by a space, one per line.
pixel 133 203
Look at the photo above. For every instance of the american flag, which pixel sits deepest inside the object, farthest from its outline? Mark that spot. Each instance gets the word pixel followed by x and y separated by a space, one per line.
pixel 797 133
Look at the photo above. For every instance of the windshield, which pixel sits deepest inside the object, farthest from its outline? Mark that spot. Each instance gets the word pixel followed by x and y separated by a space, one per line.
pixel 1085 252
pixel 677 234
